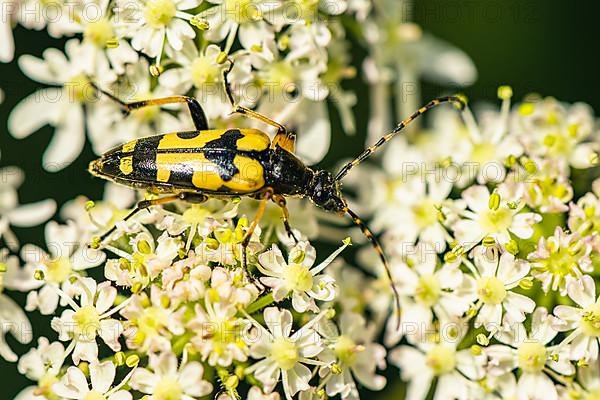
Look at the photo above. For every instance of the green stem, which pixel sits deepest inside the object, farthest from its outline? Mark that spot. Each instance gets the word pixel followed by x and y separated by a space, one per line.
pixel 181 342
pixel 260 303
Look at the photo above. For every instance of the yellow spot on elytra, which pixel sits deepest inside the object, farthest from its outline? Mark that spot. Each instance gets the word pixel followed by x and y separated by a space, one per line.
pixel 126 165
pixel 171 141
pixel 253 140
pixel 250 176
pixel 129 146
pixel 163 175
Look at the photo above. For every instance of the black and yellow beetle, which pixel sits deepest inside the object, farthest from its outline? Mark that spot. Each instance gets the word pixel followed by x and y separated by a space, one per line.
pixel 195 165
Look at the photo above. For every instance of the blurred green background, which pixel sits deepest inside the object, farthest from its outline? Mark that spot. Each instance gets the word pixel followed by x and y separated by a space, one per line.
pixel 543 46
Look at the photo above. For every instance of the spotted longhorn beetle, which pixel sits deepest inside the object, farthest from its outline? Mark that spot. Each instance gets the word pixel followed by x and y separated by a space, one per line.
pixel 225 163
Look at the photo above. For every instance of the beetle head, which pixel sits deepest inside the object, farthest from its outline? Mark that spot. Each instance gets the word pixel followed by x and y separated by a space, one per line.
pixel 325 192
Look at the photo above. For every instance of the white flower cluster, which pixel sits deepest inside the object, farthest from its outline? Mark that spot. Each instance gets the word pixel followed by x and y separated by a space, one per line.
pixel 175 316
pixel 493 252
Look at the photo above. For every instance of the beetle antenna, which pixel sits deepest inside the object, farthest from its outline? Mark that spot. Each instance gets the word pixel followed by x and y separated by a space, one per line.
pixel 370 150
pixel 367 232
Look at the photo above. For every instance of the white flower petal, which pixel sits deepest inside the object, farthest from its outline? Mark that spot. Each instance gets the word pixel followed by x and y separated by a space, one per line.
pixel 7 43
pixel 67 142
pixel 102 376
pixel 583 291
pixel 536 386
pixel 34 111
pixel 110 331
pixel 33 214
pixel 13 320
pixel 191 380
pixel 144 380
pixel 73 385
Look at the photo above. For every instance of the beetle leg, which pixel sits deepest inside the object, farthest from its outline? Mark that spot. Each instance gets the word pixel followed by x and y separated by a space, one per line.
pixel 265 196
pixel 283 138
pixel 281 202
pixel 198 115
pixel 190 197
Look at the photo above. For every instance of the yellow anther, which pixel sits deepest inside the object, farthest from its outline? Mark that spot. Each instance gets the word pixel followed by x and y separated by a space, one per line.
pixel 39 275
pixel 119 358
pixel 586 227
pixel 488 241
pixel 576 247
pixel 476 350
pixel 505 92
pixel 440 214
pixel 336 369
pixel 199 23
pixel 582 363
pixel 526 283
pixel 297 256
pixel 463 97
pixel 124 264
pixel 510 161
pixel 530 167
pixel 95 242
pixel 330 314
pixel 494 201
pixel 132 360
pixel 112 43
pixel 89 205
pixel 482 339
pixel 450 257
pixel 284 42
pixel 459 250
pixel 471 312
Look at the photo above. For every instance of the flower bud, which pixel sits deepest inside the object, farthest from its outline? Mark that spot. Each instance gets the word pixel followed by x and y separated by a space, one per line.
pixel 512 247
